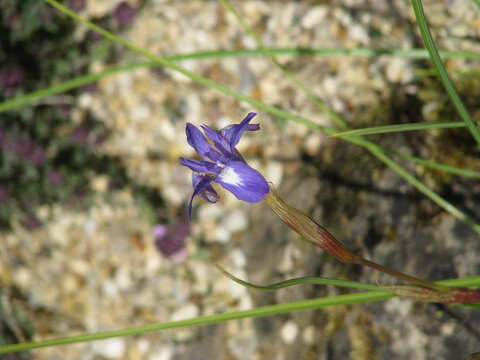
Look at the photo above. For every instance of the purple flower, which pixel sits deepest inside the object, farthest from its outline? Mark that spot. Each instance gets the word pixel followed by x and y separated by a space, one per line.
pixel 223 164
pixel 170 241
pixel 124 14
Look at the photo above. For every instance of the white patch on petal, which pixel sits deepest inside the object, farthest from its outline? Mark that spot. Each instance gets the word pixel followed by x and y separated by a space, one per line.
pixel 230 176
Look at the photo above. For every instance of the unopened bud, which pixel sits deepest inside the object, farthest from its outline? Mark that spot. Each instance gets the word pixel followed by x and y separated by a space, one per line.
pixel 307 228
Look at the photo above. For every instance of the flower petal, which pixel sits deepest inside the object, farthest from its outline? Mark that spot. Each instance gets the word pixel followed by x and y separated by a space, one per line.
pixel 201 166
pixel 208 192
pixel 200 183
pixel 198 141
pixel 230 129
pixel 233 133
pixel 243 181
pixel 220 142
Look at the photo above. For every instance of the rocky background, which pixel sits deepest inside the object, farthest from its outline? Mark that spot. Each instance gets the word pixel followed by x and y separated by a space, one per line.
pixel 95 235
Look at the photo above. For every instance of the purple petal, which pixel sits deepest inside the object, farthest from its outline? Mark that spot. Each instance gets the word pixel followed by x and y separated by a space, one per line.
pixel 228 131
pixel 234 133
pixel 201 166
pixel 197 140
pixel 159 231
pixel 170 241
pixel 208 192
pixel 220 142
pixel 243 181
pixel 202 187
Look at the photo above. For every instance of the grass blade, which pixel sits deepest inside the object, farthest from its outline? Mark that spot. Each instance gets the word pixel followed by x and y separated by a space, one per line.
pixel 400 128
pixel 348 299
pixel 442 73
pixel 356 52
pixel 439 166
pixel 301 281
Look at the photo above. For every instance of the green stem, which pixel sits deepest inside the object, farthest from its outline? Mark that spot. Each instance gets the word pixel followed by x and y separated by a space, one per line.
pixel 207 320
pixel 442 73
pixel 434 165
pixel 347 299
pixel 357 52
pixel 301 281
pixel 399 275
pixel 387 129
pixel 377 151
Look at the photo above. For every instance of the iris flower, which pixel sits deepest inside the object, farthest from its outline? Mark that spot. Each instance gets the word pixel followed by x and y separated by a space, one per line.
pixel 223 164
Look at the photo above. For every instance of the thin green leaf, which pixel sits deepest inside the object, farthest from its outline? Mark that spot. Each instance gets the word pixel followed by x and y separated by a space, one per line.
pixel 378 152
pixel 358 52
pixel 325 52
pixel 400 128
pixel 442 73
pixel 435 165
pixel 69 85
pixel 347 299
pixel 301 281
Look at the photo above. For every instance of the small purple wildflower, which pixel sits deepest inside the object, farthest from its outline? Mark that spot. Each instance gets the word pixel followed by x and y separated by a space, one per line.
pixel 124 14
pixel 223 164
pixel 170 241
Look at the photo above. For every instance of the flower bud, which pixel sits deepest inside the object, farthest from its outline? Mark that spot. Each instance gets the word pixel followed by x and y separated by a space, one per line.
pixel 307 228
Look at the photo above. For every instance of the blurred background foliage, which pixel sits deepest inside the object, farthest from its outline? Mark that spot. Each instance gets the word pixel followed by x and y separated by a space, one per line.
pixel 47 154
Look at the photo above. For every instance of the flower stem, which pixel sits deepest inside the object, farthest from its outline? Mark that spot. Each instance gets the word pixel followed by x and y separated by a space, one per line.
pixel 399 275
pixel 312 232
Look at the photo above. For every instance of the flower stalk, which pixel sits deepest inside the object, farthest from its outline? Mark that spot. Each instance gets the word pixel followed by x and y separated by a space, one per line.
pixel 307 228
pixel 445 296
pixel 315 234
